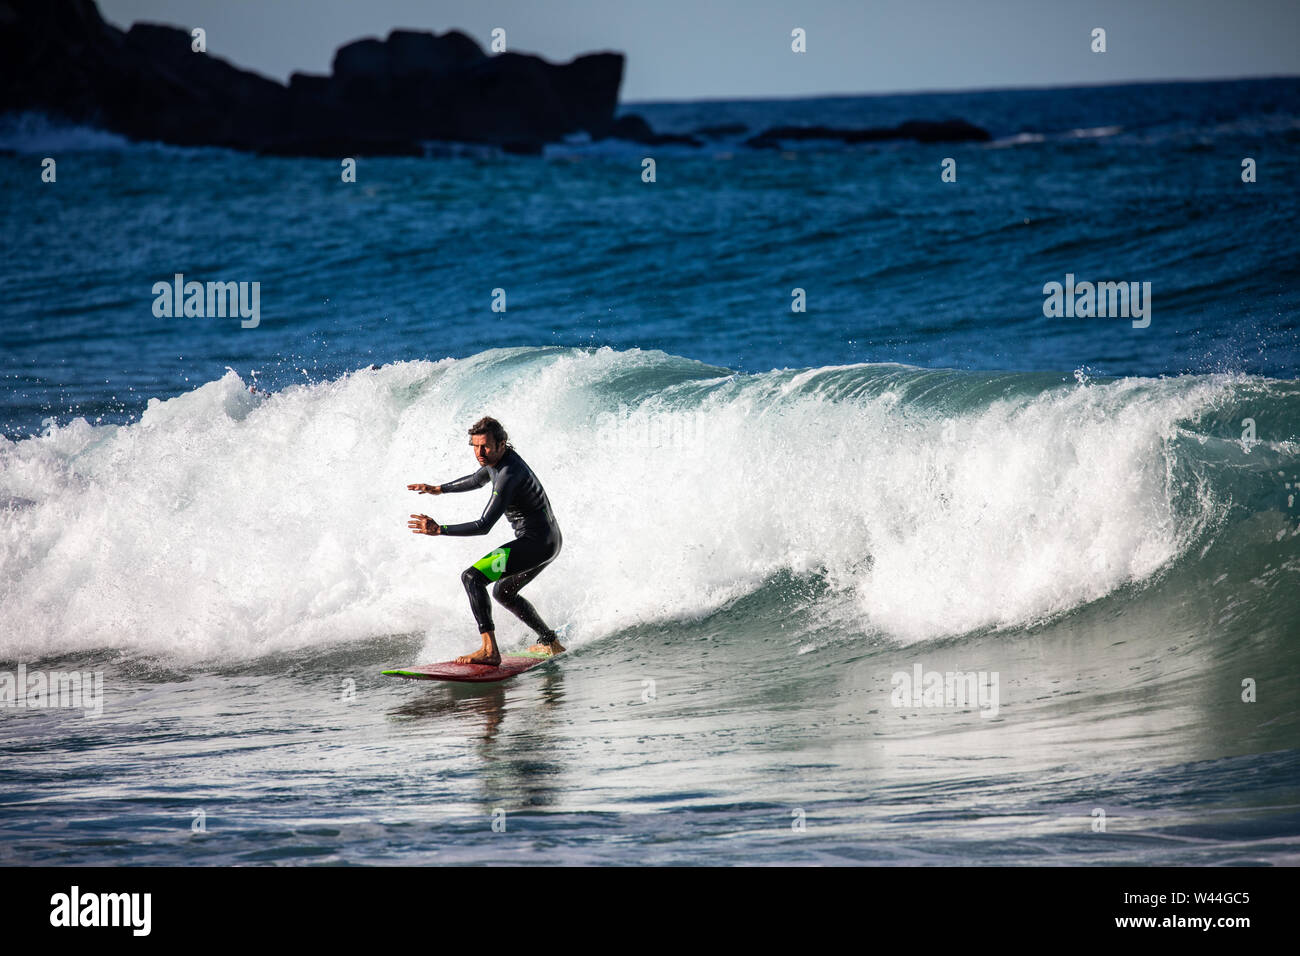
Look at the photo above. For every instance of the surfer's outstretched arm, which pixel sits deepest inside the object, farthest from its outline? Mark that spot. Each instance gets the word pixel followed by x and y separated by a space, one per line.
pixel 468 483
pixel 496 507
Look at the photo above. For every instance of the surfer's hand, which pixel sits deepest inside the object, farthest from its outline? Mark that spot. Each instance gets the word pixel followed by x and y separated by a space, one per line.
pixel 426 489
pixel 423 524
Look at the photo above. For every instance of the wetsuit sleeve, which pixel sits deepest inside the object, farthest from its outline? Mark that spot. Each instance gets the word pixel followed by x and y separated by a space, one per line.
pixel 468 483
pixel 496 507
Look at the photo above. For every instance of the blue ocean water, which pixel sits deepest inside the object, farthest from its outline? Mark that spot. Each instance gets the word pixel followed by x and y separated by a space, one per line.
pixel 1110 184
pixel 769 515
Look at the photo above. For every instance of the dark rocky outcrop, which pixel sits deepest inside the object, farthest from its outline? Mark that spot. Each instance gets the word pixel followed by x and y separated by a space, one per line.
pixel 922 131
pixel 633 127
pixel 382 97
pixel 720 130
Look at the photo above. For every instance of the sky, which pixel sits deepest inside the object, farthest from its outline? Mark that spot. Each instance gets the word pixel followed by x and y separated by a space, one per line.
pixel 724 49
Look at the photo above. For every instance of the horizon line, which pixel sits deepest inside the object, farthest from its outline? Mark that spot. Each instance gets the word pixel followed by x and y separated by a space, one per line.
pixel 964 89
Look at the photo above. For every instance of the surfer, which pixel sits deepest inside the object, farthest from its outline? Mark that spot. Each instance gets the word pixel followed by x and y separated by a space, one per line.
pixel 518 494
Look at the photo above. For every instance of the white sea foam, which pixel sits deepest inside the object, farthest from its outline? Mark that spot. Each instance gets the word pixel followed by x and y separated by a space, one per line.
pixel 228 525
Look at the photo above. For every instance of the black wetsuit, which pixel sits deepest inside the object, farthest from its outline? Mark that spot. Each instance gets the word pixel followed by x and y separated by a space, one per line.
pixel 518 495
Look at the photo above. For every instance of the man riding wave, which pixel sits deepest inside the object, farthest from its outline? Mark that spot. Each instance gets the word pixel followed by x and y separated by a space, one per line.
pixel 518 495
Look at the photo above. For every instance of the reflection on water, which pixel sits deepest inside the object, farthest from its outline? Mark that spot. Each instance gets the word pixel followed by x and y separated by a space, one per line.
pixel 520 768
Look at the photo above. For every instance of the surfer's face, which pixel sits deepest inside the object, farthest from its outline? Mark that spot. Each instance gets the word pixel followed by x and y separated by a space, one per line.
pixel 485 451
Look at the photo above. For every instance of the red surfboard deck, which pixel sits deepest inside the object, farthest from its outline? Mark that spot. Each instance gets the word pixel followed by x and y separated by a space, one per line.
pixel 511 664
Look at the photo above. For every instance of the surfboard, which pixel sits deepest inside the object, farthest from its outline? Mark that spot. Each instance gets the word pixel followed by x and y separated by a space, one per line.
pixel 510 666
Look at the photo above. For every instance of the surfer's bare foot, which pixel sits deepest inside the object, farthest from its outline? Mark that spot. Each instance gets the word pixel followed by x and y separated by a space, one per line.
pixel 492 659
pixel 553 648
pixel 487 654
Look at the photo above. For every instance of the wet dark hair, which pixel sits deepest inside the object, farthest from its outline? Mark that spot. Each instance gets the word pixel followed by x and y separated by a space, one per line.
pixel 491 428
